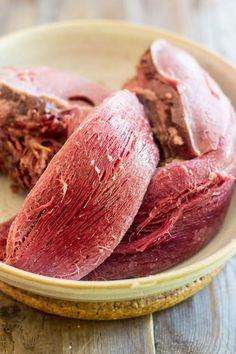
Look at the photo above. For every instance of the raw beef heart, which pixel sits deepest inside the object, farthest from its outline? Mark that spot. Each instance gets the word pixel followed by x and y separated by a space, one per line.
pixel 187 198
pixel 87 198
pixel 38 109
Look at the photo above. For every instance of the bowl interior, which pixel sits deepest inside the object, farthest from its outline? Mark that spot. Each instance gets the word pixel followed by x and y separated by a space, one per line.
pixel 108 52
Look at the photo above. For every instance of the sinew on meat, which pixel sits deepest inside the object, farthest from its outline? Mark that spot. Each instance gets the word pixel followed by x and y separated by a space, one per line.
pixel 87 198
pixel 38 108
pixel 187 199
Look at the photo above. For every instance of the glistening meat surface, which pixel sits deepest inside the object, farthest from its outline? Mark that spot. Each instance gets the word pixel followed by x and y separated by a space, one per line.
pixel 183 209
pixel 51 82
pixel 87 198
pixel 188 196
pixel 38 109
pixel 185 203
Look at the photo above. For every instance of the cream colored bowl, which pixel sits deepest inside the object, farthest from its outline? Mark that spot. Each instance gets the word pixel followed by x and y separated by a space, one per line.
pixel 107 52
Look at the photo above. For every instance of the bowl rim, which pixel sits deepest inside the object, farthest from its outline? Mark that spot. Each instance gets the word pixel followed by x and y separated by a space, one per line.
pixel 226 252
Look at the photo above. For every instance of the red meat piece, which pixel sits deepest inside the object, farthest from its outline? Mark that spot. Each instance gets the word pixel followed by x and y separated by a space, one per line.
pixel 187 109
pixel 4 230
pixel 183 209
pixel 87 198
pixel 52 82
pixel 187 199
pixel 38 107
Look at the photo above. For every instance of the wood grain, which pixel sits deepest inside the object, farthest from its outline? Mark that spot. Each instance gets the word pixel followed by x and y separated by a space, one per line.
pixel 204 324
pixel 26 331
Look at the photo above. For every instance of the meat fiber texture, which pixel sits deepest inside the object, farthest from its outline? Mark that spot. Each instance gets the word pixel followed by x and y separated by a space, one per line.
pixel 52 82
pixel 4 231
pixel 187 199
pixel 88 196
pixel 39 108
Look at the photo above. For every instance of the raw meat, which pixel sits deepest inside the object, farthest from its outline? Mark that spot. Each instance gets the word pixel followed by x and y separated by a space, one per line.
pixel 38 107
pixel 4 230
pixel 87 198
pixel 183 209
pixel 184 104
pixel 52 82
pixel 187 199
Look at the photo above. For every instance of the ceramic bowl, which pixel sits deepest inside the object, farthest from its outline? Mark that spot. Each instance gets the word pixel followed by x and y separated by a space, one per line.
pixel 107 51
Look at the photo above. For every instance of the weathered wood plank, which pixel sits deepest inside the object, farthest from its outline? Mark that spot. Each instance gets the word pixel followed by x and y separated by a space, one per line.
pixel 159 13
pixel 27 331
pixel 204 324
pixel 71 9
pixel 17 14
pixel 211 22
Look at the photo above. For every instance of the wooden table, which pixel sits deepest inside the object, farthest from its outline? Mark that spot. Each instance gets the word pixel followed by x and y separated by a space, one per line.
pixel 204 324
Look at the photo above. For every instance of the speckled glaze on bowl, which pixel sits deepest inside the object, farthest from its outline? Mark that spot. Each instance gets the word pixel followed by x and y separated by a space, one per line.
pixel 107 51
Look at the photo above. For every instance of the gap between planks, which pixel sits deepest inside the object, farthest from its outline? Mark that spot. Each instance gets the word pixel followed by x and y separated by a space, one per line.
pixel 27 331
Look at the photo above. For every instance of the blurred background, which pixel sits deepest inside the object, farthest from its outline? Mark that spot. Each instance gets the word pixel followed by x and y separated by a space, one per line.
pixel 210 22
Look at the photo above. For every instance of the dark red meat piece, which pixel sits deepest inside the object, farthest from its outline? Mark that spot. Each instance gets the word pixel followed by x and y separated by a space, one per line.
pixel 38 108
pixel 187 199
pixel 4 230
pixel 203 103
pixel 185 105
pixel 182 210
pixel 87 198
pixel 74 121
pixel 52 82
